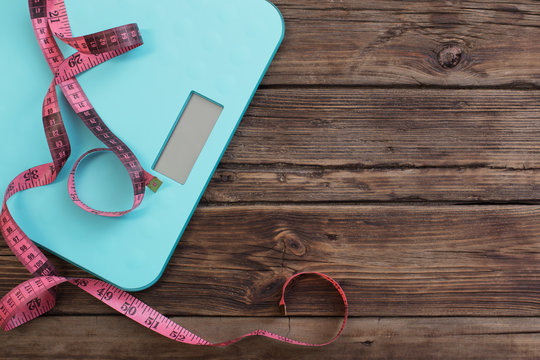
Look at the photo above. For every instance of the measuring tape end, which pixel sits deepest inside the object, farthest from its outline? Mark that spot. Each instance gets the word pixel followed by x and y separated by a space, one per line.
pixel 154 184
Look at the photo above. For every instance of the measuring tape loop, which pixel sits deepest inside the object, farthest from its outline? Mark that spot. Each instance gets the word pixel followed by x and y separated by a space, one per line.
pixel 148 178
pixel 36 296
pixel 29 300
pixel 57 139
pixel 50 16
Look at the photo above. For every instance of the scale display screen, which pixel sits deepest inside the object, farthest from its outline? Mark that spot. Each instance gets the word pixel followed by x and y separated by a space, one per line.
pixel 188 137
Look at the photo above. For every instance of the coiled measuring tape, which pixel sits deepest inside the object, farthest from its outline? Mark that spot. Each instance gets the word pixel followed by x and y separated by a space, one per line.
pixel 36 296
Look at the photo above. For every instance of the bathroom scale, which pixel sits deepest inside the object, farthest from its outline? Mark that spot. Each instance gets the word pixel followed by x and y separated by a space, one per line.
pixel 175 101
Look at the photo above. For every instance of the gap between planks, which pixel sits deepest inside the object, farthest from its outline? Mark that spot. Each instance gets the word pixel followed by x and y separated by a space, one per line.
pixel 115 337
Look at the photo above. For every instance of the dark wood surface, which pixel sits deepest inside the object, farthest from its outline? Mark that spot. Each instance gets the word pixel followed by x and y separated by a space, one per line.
pixel 394 145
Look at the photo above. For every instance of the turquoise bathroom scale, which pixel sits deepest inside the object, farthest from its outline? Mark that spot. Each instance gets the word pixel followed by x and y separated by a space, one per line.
pixel 176 102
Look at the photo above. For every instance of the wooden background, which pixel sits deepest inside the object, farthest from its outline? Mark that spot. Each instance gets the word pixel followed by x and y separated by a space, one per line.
pixel 394 145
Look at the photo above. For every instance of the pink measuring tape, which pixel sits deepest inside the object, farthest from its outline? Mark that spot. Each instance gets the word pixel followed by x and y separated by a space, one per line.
pixel 36 296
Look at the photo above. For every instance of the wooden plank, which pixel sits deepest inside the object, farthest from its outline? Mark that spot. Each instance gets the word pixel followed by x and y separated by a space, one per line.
pixel 319 183
pixel 390 128
pixel 113 337
pixel 481 43
pixel 391 260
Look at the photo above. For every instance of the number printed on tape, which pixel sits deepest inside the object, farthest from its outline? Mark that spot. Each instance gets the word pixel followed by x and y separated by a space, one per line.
pixel 36 296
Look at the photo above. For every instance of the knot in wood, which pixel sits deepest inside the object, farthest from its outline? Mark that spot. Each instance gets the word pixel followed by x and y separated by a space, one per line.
pixel 450 56
pixel 226 177
pixel 291 242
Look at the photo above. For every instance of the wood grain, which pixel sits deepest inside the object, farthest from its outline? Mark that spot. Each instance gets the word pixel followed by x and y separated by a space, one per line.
pixel 376 123
pixel 304 184
pixel 383 145
pixel 115 337
pixel 391 260
pixel 396 42
pixel 390 128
